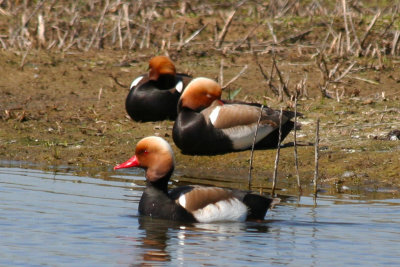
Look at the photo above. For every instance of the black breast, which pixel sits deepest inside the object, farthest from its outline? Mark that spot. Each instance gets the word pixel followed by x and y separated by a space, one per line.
pixel 193 135
pixel 157 204
pixel 148 103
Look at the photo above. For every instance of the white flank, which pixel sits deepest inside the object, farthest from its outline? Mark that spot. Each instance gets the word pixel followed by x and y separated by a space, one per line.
pixel 231 210
pixel 136 81
pixel 214 114
pixel 182 200
pixel 179 86
pixel 242 136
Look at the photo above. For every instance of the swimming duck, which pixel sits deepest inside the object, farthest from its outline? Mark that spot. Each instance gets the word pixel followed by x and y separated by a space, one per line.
pixel 207 125
pixel 191 203
pixel 154 96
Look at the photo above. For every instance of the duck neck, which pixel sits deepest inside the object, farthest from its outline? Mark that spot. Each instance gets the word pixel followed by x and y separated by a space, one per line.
pixel 166 81
pixel 161 183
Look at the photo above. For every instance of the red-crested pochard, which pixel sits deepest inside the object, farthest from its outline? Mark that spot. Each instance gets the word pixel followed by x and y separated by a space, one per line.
pixel 207 125
pixel 188 203
pixel 154 96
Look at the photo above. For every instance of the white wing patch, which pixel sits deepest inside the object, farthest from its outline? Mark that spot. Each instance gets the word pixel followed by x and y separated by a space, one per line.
pixel 214 114
pixel 179 86
pixel 231 210
pixel 136 81
pixel 242 136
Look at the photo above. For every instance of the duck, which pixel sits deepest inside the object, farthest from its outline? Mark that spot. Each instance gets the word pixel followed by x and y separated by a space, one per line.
pixel 208 125
pixel 190 203
pixel 154 96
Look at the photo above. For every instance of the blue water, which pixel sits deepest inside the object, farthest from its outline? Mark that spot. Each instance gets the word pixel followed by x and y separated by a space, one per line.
pixel 61 219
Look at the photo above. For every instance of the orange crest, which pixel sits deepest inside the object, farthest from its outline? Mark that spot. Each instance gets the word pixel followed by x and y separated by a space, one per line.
pixel 160 65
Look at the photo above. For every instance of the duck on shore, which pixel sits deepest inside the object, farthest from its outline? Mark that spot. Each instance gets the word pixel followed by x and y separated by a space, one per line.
pixel 208 125
pixel 154 96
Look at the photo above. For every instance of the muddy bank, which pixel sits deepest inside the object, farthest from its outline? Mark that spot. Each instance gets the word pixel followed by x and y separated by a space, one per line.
pixel 68 109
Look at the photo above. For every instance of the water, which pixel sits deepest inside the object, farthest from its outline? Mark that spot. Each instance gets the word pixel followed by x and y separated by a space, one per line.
pixel 60 219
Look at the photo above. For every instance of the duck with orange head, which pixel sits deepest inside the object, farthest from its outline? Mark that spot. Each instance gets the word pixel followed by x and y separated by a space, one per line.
pixel 191 203
pixel 208 125
pixel 154 96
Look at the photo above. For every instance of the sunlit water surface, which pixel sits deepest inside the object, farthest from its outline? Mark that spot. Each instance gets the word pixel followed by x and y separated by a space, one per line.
pixel 59 219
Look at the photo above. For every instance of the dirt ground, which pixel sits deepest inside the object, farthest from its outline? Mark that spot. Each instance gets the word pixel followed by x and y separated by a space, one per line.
pixel 63 106
pixel 66 109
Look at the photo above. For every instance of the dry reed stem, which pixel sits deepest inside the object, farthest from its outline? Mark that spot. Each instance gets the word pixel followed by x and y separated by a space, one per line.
pixel 41 30
pixel 283 84
pixel 23 61
pixel 395 42
pixel 236 77
pixel 367 32
pixel 99 23
pixel 274 90
pixel 296 158
pixel 221 73
pixel 344 73
pixel 316 149
pixel 252 147
pixel 346 26
pixel 191 37
pixel 224 31
pixel 245 38
pixel 271 29
pixel 278 150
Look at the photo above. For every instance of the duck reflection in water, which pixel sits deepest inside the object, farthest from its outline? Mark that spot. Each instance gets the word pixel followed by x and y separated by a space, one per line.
pixel 158 236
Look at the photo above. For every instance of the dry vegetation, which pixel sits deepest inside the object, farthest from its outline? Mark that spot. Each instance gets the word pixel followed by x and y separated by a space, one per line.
pixel 339 58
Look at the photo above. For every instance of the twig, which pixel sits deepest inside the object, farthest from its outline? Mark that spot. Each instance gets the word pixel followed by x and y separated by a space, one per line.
pixel 245 38
pixel 294 38
pixel 128 35
pixel 364 80
pixel 271 29
pixel 21 66
pixel 170 35
pixel 345 72
pixel 100 93
pixel 267 79
pixel 236 77
pixel 117 82
pixel 346 26
pixel 369 28
pixel 355 37
pixel 296 162
pixel 395 42
pixel 252 147
pixel 103 13
pixel 182 30
pixel 191 37
pixel 221 36
pixel 316 147
pixel 221 73
pixel 277 155
pixel 41 30
pixel 284 86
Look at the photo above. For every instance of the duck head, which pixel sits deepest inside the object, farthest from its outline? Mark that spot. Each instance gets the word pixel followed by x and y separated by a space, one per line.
pixel 160 65
pixel 199 94
pixel 153 154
